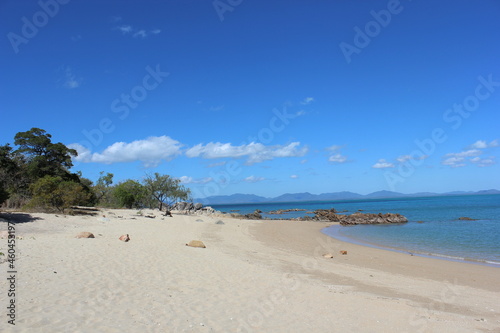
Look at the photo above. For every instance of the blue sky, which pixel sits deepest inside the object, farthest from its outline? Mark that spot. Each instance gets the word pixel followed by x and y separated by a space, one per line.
pixel 261 97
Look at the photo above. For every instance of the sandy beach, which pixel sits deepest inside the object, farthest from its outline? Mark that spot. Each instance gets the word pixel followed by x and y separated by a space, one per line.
pixel 253 276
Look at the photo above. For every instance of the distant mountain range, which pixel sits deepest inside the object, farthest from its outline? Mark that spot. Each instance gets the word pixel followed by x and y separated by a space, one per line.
pixel 306 196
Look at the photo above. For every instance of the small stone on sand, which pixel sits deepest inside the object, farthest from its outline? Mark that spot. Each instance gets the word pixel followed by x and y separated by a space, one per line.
pixel 124 238
pixel 196 243
pixel 85 234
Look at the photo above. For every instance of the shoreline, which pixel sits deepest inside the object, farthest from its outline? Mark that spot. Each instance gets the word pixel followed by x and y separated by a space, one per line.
pixel 312 242
pixel 253 276
pixel 451 240
pixel 335 234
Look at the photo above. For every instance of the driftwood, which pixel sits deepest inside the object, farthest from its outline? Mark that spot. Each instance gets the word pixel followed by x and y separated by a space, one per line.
pixel 80 210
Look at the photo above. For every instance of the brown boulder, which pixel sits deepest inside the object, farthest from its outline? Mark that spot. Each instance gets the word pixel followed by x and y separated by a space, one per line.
pixel 85 234
pixel 124 238
pixel 327 215
pixel 255 215
pixel 196 243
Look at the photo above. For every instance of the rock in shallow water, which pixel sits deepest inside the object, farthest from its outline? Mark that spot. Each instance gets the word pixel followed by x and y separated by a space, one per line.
pixel 357 218
pixel 360 218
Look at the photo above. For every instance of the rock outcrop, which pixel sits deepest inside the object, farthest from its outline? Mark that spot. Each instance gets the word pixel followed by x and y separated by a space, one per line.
pixel 255 215
pixel 190 208
pixel 284 211
pixel 361 218
pixel 327 215
pixel 356 218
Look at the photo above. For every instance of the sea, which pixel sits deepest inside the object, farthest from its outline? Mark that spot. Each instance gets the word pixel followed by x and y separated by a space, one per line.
pixel 433 227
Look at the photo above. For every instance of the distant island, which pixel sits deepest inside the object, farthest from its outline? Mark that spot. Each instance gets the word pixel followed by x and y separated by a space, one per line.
pixel 239 198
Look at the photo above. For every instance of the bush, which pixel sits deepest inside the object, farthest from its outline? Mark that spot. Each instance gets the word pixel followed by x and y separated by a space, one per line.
pixel 53 192
pixel 129 194
pixel 4 195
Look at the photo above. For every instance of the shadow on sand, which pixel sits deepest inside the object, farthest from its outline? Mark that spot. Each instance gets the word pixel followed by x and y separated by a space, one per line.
pixel 18 217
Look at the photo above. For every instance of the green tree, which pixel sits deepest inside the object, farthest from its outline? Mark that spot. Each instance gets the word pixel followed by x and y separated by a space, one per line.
pixel 44 157
pixel 130 194
pixel 54 192
pixel 4 195
pixel 165 189
pixel 103 188
pixel 14 180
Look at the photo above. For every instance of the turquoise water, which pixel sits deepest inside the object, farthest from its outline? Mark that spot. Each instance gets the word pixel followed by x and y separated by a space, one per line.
pixel 433 227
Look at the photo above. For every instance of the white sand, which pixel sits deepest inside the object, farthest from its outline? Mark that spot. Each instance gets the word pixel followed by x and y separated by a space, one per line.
pixel 254 276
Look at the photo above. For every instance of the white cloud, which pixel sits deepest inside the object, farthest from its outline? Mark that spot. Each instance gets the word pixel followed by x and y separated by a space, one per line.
pixel 253 179
pixel 255 152
pixel 467 153
pixel 216 108
pixel 294 176
pixel 70 80
pixel 337 158
pixel 150 152
pixel 470 154
pixel 483 162
pixel 382 164
pixel 140 33
pixel 125 29
pixel 454 162
pixel 334 148
pixel 481 144
pixel 191 180
pixel 307 100
pixel 134 32
pixel 405 158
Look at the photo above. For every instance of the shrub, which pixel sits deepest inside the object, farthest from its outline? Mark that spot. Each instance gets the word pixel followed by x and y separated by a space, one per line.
pixel 53 192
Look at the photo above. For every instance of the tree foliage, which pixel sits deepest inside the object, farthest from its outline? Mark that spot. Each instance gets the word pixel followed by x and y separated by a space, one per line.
pixel 130 194
pixel 4 195
pixel 103 189
pixel 44 157
pixel 13 177
pixel 54 192
pixel 165 189
pixel 37 171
